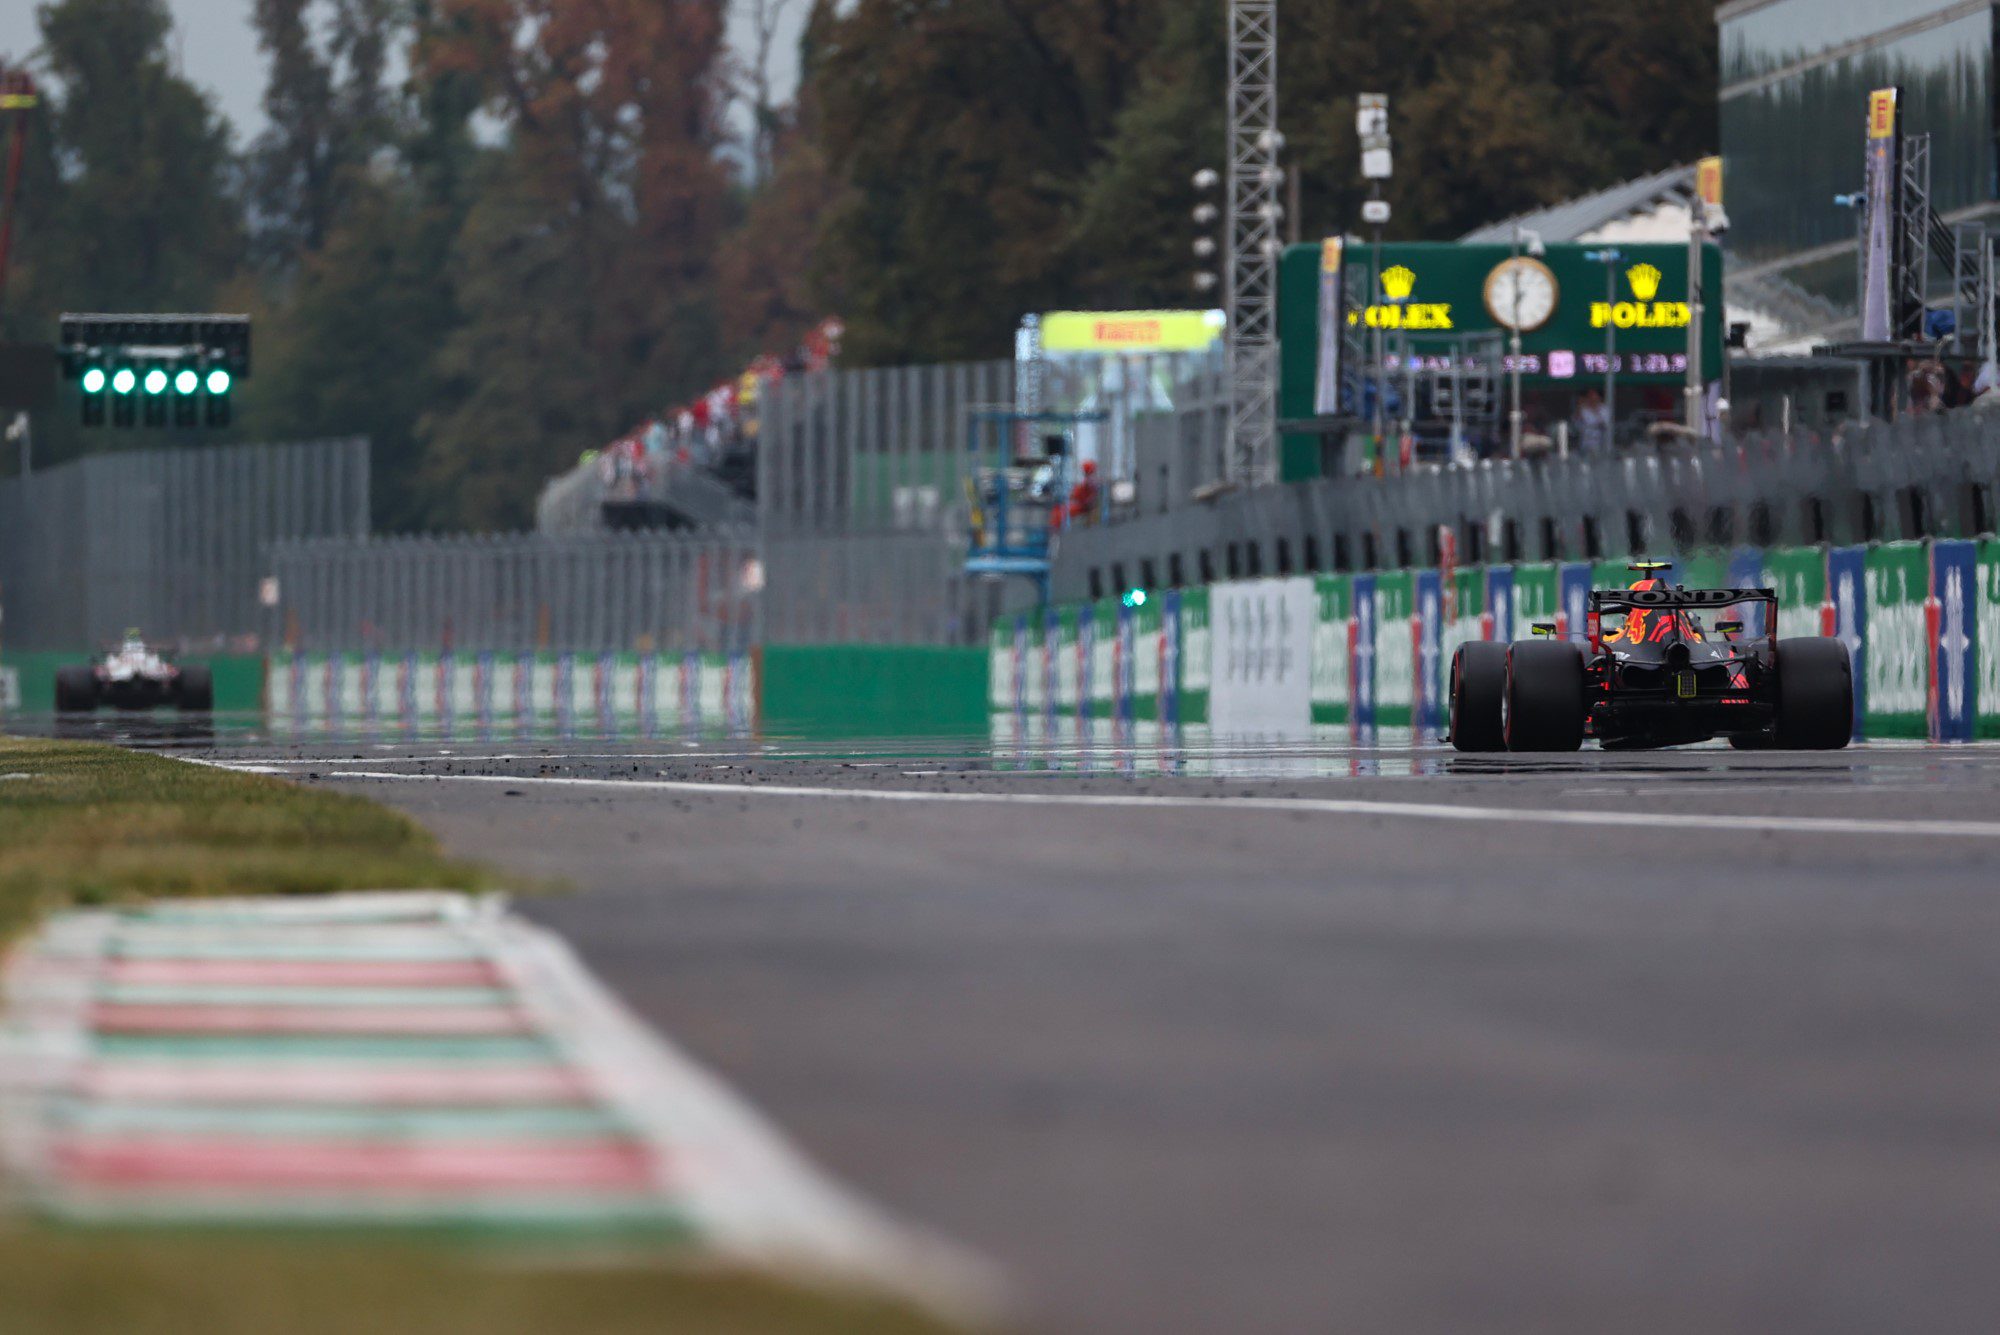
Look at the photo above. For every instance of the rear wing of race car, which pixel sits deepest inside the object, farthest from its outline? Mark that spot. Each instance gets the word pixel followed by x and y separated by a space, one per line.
pixel 1679 600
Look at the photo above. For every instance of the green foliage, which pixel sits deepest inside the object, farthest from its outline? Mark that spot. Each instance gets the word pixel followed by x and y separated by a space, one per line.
pixel 328 114
pixel 128 194
pixel 92 824
pixel 994 157
pixel 142 211
pixel 353 350
pixel 486 306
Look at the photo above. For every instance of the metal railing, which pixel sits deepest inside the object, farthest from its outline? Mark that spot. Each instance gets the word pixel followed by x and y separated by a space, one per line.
pixel 638 592
pixel 168 541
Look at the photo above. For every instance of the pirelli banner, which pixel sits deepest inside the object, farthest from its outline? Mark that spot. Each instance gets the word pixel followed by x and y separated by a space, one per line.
pixel 1368 656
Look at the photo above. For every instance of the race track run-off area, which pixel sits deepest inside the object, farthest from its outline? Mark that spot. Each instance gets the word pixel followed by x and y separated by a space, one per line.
pixel 1258 1037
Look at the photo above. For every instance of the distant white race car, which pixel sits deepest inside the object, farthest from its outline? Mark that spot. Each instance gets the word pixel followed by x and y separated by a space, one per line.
pixel 133 676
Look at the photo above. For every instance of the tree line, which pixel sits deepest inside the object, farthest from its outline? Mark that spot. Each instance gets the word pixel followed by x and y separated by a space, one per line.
pixel 492 233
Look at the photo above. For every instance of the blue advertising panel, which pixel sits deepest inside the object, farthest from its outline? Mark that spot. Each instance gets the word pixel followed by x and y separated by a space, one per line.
pixel 1427 713
pixel 1746 571
pixel 1122 665
pixel 1051 669
pixel 1500 601
pixel 1361 659
pixel 1170 659
pixel 1573 590
pixel 1955 586
pixel 1021 665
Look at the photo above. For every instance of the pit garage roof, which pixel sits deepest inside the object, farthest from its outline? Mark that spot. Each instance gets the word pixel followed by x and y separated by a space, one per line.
pixel 1575 219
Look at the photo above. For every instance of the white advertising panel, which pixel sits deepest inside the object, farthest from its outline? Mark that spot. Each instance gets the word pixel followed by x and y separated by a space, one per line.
pixel 1260 660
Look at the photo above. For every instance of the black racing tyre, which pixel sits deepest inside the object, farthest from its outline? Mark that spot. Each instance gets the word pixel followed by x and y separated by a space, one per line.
pixel 76 690
pixel 195 690
pixel 1753 741
pixel 1478 684
pixel 1545 702
pixel 1815 695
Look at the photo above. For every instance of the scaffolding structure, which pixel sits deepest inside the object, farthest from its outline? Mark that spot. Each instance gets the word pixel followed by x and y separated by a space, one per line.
pixel 1255 214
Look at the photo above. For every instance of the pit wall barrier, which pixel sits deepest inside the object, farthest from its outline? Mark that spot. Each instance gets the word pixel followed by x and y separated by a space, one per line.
pixel 1371 653
pixel 517 694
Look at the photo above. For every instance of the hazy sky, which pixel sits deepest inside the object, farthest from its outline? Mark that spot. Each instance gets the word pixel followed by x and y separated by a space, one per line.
pixel 218 50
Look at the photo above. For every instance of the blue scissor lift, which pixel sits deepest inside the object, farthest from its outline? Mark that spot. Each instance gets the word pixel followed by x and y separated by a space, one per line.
pixel 1017 480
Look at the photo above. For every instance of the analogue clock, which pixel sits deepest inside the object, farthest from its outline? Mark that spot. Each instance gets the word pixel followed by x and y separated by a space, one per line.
pixel 1521 293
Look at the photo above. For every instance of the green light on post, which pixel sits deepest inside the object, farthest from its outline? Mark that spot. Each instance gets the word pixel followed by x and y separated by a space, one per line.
pixel 186 382
pixel 156 381
pixel 93 380
pixel 123 381
pixel 1135 598
pixel 218 381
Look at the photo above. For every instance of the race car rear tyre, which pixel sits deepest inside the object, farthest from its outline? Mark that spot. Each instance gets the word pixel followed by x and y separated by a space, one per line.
pixel 1545 706
pixel 1753 741
pixel 195 690
pixel 76 690
pixel 1815 695
pixel 1478 686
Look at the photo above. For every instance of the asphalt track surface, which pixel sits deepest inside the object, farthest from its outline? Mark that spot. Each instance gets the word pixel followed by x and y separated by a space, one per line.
pixel 1339 1040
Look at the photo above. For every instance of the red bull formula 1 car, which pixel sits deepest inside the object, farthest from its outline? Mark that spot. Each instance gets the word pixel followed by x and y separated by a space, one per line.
pixel 133 676
pixel 1649 672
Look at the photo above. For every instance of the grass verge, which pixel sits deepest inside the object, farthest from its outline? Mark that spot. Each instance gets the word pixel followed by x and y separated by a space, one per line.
pixel 83 824
pixel 58 1283
pixel 87 824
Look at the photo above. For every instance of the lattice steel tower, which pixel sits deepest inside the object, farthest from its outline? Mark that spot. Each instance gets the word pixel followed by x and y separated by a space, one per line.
pixel 1251 291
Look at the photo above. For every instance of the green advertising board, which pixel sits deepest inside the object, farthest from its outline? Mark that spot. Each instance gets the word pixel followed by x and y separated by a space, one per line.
pixel 875 690
pixel 1799 576
pixel 1193 661
pixel 1395 652
pixel 1584 316
pixel 1147 620
pixel 238 679
pixel 1461 615
pixel 1068 680
pixel 1898 663
pixel 1537 597
pixel 1330 694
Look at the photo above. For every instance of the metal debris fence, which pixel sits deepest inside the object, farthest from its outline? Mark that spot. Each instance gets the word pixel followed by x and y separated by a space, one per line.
pixel 170 541
pixel 637 592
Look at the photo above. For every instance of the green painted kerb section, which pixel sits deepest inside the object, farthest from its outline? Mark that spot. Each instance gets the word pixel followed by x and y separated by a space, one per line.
pixel 874 690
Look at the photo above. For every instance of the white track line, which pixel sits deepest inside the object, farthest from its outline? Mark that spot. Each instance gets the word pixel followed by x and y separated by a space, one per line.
pixel 1622 820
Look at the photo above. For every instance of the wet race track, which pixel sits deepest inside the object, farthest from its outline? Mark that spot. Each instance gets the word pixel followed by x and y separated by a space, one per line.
pixel 1312 1037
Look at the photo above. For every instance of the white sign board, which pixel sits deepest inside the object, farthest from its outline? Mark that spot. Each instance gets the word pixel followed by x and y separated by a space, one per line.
pixel 1260 656
pixel 1371 114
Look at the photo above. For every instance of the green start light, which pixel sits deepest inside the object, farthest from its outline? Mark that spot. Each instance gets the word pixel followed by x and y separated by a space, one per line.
pixel 218 381
pixel 156 381
pixel 93 380
pixel 1135 598
pixel 186 382
pixel 123 381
